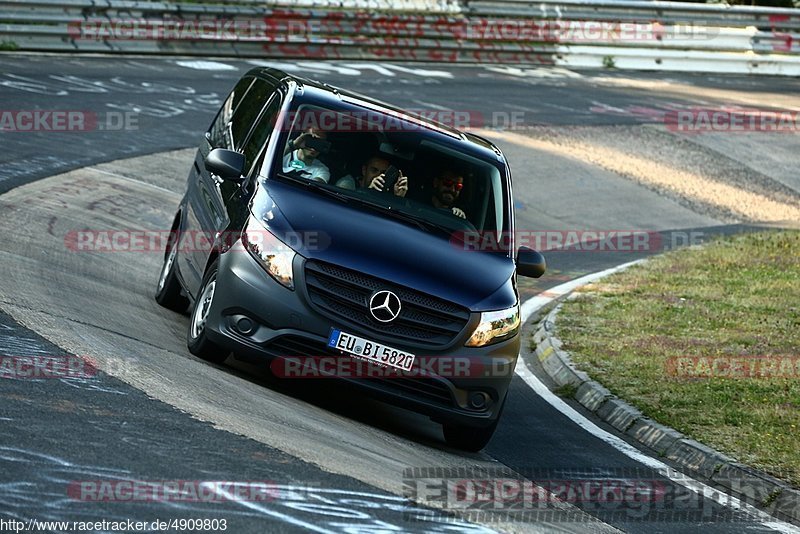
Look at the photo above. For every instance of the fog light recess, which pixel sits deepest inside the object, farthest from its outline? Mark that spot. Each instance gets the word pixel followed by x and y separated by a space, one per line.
pixel 245 326
pixel 478 400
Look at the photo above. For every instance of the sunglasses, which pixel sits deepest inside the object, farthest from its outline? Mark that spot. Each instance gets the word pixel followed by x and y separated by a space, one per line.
pixel 452 183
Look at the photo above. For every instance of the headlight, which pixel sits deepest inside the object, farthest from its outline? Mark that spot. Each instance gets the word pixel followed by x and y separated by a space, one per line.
pixel 273 254
pixel 495 326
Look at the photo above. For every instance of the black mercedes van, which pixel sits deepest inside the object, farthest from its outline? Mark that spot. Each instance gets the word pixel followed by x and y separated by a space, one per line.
pixel 328 234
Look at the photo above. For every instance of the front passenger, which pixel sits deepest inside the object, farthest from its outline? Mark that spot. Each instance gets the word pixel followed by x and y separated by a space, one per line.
pixel 301 155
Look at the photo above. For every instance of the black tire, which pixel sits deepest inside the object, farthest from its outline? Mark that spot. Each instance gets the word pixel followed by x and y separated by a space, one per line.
pixel 196 338
pixel 168 290
pixel 469 438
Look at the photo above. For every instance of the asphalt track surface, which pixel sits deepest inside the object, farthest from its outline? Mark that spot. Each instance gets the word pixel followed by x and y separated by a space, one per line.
pixel 335 461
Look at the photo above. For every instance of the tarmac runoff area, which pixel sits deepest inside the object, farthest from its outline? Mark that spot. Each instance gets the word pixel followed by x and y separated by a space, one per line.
pixel 582 178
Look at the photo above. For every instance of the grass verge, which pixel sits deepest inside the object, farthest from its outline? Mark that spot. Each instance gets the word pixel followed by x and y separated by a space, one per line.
pixel 706 341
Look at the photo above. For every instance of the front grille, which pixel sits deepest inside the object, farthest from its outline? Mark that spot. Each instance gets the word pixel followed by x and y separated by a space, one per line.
pixel 341 293
pixel 430 389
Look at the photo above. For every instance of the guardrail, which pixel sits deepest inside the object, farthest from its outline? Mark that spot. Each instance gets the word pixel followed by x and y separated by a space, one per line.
pixel 611 33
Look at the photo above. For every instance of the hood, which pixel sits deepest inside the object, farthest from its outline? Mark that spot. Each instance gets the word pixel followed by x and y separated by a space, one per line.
pixel 359 238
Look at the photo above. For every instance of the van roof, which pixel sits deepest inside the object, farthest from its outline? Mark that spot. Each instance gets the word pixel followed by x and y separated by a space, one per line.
pixel 335 94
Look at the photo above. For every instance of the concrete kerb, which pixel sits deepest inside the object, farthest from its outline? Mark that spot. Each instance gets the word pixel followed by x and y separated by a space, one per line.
pixel 759 489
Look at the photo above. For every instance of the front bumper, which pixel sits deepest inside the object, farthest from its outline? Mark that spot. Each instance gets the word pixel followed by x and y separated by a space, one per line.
pixel 263 322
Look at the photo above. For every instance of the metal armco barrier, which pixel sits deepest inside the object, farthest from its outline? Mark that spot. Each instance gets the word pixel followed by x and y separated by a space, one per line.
pixel 611 34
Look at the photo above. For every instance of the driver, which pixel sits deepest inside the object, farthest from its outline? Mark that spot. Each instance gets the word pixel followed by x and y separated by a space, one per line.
pixel 300 156
pixel 446 188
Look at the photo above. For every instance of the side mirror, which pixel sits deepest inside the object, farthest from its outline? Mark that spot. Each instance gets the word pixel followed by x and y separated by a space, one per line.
pixel 227 164
pixel 530 262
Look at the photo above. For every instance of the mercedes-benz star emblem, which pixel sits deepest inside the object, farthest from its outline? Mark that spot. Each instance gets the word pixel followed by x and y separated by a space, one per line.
pixel 384 306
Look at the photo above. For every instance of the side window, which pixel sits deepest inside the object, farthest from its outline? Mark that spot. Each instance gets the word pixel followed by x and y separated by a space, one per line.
pixel 245 115
pixel 220 124
pixel 262 131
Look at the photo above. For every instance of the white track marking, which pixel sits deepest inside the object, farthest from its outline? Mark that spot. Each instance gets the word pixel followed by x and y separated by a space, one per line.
pixel 383 71
pixel 326 68
pixel 280 65
pixel 419 72
pixel 431 105
pixel 205 65
pixel 534 304
pixel 266 511
pixel 540 72
pixel 349 69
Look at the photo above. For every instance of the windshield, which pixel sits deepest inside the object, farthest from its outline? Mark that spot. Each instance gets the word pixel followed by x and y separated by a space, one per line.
pixel 393 167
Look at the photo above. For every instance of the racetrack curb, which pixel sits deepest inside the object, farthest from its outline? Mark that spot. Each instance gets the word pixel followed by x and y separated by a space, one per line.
pixel 767 493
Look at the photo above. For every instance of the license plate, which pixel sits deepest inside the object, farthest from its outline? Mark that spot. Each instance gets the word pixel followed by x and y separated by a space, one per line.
pixel 365 349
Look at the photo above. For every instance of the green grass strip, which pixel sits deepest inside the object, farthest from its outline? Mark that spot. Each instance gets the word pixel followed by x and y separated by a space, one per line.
pixel 705 340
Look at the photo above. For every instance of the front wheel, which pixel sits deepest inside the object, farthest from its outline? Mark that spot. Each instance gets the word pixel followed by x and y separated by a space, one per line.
pixel 468 438
pixel 168 290
pixel 197 338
